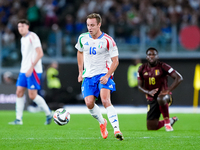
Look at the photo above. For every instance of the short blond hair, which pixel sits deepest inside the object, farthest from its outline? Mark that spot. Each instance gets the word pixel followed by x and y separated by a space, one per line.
pixel 96 16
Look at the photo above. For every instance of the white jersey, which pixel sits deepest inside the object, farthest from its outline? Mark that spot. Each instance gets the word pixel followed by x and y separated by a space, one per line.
pixel 29 43
pixel 97 53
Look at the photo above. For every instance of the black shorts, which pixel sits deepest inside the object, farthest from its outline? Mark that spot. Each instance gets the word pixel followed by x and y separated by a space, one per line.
pixel 153 110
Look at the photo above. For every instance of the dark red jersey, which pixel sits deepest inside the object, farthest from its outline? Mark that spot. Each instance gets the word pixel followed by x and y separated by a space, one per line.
pixel 155 77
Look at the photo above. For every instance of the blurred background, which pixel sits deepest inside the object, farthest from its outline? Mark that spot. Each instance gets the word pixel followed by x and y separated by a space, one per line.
pixel 171 26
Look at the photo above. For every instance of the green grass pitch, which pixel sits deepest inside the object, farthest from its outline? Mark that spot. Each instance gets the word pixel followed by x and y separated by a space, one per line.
pixel 83 133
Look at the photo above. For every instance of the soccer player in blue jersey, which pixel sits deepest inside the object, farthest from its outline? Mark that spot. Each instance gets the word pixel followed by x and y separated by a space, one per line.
pixel 97 58
pixel 30 72
pixel 152 81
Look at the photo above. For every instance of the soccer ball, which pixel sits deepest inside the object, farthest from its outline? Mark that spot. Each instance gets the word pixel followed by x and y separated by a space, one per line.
pixel 61 116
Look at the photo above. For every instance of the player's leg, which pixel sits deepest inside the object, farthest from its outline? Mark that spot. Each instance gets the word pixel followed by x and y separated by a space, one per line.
pixel 90 93
pixel 33 85
pixel 96 113
pixel 33 94
pixel 94 108
pixel 164 109
pixel 19 106
pixel 20 101
pixel 111 112
pixel 153 115
pixel 174 119
pixel 153 124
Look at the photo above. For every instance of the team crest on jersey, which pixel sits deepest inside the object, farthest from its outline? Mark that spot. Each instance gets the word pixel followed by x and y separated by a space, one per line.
pixel 146 73
pixel 157 72
pixel 100 44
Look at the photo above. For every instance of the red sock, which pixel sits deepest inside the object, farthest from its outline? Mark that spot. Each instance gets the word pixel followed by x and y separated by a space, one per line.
pixel 160 124
pixel 165 112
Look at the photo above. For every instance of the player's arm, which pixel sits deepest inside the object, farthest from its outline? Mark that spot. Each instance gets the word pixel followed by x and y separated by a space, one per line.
pixel 141 85
pixel 80 65
pixel 144 90
pixel 113 51
pixel 39 55
pixel 113 67
pixel 177 80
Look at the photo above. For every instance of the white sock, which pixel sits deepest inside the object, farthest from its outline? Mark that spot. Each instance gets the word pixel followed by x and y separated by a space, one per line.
pixel 113 118
pixel 96 113
pixel 42 104
pixel 19 107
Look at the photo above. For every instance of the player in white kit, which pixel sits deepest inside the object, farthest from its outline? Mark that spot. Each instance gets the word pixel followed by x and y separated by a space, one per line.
pixel 30 73
pixel 97 58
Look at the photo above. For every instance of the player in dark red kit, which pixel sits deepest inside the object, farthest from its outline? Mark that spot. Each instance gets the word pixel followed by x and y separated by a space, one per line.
pixel 153 81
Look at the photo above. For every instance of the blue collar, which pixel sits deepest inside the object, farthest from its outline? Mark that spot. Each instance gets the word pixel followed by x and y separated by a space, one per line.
pixel 99 36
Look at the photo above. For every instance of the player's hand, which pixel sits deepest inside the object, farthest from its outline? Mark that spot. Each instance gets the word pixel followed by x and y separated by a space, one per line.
pixel 103 80
pixel 153 92
pixel 29 72
pixel 80 78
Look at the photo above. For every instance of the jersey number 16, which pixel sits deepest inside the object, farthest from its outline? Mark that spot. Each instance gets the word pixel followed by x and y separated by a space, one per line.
pixel 93 50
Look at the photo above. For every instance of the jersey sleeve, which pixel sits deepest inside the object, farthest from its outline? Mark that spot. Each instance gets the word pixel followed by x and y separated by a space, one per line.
pixel 167 68
pixel 34 39
pixel 139 73
pixel 79 45
pixel 111 46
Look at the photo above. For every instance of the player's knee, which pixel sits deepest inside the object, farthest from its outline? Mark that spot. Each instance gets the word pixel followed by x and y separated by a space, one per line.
pixel 152 124
pixel 167 98
pixel 151 127
pixel 32 96
pixel 89 101
pixel 19 93
pixel 163 99
pixel 106 102
pixel 89 104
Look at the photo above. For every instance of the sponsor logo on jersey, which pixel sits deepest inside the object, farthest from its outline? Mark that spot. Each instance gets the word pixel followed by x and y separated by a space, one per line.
pixel 86 43
pixel 157 72
pixel 146 73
